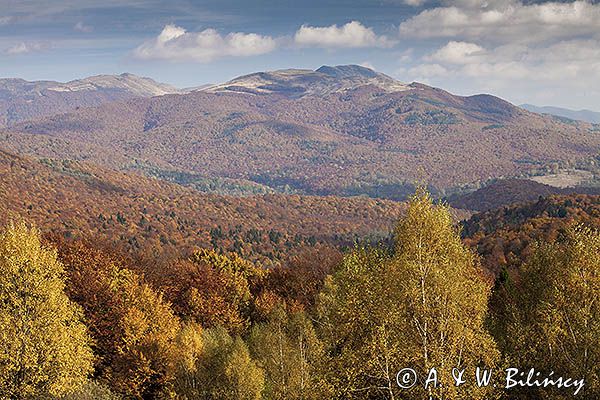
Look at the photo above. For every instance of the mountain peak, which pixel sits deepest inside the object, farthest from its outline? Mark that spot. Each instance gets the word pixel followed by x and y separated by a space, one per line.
pixel 21 99
pixel 304 82
pixel 346 71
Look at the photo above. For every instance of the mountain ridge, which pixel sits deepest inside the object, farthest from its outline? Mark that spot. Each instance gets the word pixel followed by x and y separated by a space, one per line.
pixel 305 82
pixel 579 115
pixel 509 192
pixel 124 80
pixel 22 100
pixel 333 136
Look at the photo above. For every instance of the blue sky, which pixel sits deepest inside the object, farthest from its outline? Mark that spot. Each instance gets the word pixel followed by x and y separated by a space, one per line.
pixel 546 53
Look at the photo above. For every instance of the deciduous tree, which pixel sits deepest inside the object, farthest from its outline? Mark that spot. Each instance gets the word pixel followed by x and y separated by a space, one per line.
pixel 422 307
pixel 288 350
pixel 224 370
pixel 44 346
pixel 133 327
pixel 554 318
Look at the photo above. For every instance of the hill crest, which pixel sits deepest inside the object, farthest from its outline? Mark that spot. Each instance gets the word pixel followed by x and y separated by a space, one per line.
pixel 305 82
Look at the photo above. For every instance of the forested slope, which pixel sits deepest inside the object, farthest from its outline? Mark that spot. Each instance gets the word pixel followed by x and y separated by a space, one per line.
pixel 79 200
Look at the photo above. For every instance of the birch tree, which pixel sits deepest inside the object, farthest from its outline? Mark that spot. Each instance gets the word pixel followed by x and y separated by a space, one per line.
pixel 422 307
pixel 44 346
pixel 554 323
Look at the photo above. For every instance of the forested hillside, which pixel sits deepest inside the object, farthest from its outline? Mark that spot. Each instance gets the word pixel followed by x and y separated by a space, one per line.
pixel 506 192
pixel 321 325
pixel 22 100
pixel 134 213
pixel 338 130
pixel 506 236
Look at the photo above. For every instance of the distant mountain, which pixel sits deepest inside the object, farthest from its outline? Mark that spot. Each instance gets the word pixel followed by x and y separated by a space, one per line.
pixel 303 82
pixel 581 115
pixel 22 100
pixel 343 130
pixel 507 192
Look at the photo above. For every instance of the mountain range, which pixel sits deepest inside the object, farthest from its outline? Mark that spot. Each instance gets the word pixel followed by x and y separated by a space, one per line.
pixel 21 100
pixel 579 115
pixel 344 130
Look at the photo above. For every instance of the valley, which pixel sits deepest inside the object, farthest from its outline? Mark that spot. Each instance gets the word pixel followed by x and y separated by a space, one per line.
pixel 289 211
pixel 343 131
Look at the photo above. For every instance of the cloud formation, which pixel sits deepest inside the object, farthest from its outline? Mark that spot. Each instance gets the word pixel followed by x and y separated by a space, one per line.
pixel 351 35
pixel 504 21
pixel 545 52
pixel 26 47
pixel 541 74
pixel 456 53
pixel 414 3
pixel 81 27
pixel 176 44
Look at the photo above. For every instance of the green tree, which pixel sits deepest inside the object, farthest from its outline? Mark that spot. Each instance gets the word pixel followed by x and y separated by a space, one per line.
pixel 44 346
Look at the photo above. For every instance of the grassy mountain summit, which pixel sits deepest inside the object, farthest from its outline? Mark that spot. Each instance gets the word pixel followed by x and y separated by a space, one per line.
pixel 303 82
pixel 344 130
pixel 21 100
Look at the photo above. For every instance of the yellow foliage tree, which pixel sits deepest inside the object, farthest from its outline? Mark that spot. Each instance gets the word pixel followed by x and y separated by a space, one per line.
pixel 555 313
pixel 133 327
pixel 287 349
pixel 189 350
pixel 146 350
pixel 444 297
pixel 44 346
pixel 223 371
pixel 422 307
pixel 215 289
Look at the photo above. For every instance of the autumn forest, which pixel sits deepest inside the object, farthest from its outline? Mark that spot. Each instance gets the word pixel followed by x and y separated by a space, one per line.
pixel 296 234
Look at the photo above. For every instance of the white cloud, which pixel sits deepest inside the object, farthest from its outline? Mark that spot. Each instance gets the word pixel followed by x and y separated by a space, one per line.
pixel 26 47
pixel 456 53
pixel 81 27
pixel 176 44
pixel 352 34
pixel 6 20
pixel 506 21
pixel 414 3
pixel 425 71
pixel 558 73
pixel 406 56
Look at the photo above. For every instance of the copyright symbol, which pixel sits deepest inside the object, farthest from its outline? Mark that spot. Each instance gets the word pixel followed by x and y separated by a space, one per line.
pixel 406 378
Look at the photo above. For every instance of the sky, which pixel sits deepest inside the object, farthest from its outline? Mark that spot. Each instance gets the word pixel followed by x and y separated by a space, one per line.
pixel 539 52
